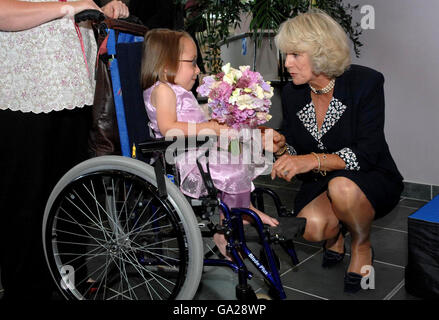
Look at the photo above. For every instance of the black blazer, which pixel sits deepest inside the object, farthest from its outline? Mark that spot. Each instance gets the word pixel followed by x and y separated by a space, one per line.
pixel 360 126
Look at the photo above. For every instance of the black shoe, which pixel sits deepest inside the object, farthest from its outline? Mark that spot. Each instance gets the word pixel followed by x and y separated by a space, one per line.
pixel 330 257
pixel 352 280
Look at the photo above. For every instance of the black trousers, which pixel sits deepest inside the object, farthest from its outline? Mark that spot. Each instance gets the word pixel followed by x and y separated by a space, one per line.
pixel 36 150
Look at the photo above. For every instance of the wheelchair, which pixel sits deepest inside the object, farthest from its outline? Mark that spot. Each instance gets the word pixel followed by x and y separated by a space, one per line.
pixel 119 228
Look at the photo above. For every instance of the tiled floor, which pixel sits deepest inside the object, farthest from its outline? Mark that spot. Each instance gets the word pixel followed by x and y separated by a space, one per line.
pixel 309 280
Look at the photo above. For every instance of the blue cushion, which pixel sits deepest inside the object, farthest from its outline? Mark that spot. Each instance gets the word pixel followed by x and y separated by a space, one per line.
pixel 429 212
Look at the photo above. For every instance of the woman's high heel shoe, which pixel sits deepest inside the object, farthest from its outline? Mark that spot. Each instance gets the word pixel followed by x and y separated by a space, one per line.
pixel 352 280
pixel 330 257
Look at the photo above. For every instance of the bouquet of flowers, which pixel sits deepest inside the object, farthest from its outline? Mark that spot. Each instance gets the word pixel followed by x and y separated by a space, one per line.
pixel 238 98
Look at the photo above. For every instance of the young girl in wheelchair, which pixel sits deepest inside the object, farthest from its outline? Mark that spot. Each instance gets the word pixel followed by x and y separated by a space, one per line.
pixel 169 71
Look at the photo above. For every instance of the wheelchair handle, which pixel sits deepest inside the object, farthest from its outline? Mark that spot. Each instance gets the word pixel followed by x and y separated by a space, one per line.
pixel 132 24
pixel 89 15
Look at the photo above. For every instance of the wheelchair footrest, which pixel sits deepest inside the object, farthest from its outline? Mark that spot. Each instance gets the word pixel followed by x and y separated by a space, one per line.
pixel 291 227
pixel 288 246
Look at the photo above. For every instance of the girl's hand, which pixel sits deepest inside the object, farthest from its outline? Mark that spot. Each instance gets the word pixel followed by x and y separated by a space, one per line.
pixel 116 10
pixel 217 127
pixel 269 134
pixel 287 166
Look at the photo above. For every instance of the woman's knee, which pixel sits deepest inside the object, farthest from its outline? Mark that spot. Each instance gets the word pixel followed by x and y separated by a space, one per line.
pixel 319 228
pixel 343 191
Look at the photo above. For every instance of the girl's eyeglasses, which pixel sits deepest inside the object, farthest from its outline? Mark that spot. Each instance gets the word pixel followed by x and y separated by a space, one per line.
pixel 194 61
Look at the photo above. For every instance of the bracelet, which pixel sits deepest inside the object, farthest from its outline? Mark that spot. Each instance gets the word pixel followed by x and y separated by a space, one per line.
pixel 318 159
pixel 318 170
pixel 324 157
pixel 281 151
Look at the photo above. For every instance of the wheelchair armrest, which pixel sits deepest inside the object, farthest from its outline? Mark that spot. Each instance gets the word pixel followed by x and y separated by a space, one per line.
pixel 161 144
pixel 158 145
pixel 92 15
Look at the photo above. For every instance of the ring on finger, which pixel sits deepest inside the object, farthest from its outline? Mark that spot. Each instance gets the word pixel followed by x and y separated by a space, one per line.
pixel 285 173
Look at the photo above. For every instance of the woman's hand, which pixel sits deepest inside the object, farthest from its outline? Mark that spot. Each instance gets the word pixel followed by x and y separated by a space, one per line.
pixel 287 166
pixel 116 10
pixel 23 15
pixel 79 6
pixel 268 135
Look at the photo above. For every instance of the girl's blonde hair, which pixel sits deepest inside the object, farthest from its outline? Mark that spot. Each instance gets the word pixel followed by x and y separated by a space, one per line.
pixel 161 52
pixel 317 34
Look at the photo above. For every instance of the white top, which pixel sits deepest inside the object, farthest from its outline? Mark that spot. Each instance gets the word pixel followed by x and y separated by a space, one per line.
pixel 43 69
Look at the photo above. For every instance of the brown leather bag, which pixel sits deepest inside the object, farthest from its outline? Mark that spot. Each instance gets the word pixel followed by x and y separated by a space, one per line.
pixel 104 134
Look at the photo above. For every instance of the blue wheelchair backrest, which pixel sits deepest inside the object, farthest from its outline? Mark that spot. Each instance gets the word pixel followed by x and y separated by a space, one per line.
pixel 128 95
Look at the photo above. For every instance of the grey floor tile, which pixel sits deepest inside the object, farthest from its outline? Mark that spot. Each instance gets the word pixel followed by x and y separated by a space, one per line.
pixel 328 283
pixel 389 246
pixel 402 294
pixel 412 203
pixel 396 219
pixel 217 283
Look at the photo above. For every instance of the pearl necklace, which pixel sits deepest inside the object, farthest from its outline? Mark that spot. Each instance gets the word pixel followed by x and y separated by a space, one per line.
pixel 324 90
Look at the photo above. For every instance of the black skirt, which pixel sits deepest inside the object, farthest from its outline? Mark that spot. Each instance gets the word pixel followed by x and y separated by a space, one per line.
pixel 381 190
pixel 36 150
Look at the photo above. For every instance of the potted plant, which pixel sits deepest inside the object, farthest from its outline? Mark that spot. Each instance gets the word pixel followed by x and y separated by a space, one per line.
pixel 214 20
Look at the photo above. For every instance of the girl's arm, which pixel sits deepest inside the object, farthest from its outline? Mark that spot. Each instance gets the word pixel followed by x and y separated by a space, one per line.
pixel 163 98
pixel 22 15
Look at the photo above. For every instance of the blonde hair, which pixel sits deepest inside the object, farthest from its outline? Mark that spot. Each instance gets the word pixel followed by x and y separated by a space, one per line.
pixel 317 34
pixel 161 51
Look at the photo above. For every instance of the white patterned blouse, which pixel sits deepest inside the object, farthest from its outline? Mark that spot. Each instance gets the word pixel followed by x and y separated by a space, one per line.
pixel 43 69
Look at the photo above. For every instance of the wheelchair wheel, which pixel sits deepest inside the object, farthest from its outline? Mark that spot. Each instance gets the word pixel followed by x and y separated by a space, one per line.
pixel 108 235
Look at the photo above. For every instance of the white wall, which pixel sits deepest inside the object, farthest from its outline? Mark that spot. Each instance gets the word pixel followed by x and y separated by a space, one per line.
pixel 404 46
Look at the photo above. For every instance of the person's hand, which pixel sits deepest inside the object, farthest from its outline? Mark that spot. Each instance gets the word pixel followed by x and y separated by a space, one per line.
pixel 116 10
pixel 218 127
pixel 287 166
pixel 79 6
pixel 269 134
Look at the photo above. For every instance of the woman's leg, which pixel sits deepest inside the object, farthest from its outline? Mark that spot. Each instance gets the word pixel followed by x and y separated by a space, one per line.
pixel 351 206
pixel 321 221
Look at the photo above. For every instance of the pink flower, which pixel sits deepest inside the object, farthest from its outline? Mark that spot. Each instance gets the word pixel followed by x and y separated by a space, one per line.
pixel 240 101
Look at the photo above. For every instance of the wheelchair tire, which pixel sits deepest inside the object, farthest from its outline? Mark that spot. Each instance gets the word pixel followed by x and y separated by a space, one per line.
pixel 108 235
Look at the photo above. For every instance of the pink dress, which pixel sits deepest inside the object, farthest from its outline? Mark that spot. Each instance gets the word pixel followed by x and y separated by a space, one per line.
pixel 232 178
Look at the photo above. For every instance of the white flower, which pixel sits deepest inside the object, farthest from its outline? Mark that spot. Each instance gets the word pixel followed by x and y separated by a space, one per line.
pixel 269 94
pixel 245 101
pixel 226 68
pixel 259 92
pixel 244 68
pixel 234 96
pixel 263 116
pixel 232 75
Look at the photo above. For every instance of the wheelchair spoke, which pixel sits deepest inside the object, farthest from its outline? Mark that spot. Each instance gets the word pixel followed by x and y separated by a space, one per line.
pixel 121 239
